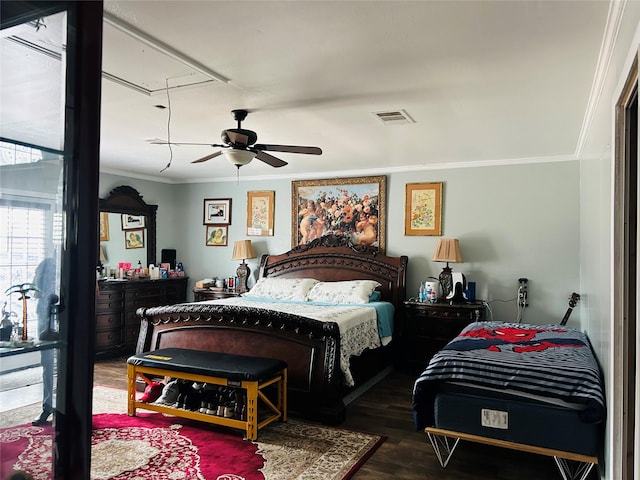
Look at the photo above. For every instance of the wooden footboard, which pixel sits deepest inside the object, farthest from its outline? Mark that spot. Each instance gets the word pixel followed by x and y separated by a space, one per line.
pixel 310 348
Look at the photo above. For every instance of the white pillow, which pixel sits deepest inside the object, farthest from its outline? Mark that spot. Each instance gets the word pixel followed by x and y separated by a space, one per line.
pixel 350 291
pixel 282 288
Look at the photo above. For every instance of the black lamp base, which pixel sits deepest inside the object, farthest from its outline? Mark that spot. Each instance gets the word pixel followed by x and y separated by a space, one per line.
pixel 446 281
pixel 243 275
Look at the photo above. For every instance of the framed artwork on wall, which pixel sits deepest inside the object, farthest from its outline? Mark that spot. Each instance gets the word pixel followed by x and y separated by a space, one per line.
pixel 134 238
pixel 217 211
pixel 132 222
pixel 423 209
pixel 260 213
pixel 353 207
pixel 104 226
pixel 217 236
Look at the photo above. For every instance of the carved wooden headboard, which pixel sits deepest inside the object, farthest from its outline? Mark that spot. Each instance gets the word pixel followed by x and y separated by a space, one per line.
pixel 335 258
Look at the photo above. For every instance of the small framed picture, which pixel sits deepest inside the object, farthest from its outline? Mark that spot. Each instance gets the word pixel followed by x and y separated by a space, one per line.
pixel 423 209
pixel 260 209
pixel 217 235
pixel 131 222
pixel 217 211
pixel 104 226
pixel 134 238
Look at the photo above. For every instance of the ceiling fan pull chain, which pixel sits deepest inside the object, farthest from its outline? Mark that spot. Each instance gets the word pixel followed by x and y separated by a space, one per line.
pixel 166 81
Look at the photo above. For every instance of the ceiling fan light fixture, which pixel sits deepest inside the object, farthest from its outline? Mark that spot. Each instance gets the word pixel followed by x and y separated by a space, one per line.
pixel 238 157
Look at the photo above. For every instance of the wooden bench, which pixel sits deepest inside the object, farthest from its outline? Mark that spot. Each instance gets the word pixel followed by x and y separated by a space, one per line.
pixel 253 374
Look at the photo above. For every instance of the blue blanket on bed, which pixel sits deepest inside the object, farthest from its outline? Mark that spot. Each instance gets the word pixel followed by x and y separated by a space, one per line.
pixel 547 360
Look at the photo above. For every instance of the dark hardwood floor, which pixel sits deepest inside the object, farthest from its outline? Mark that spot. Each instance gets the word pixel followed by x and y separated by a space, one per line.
pixel 406 454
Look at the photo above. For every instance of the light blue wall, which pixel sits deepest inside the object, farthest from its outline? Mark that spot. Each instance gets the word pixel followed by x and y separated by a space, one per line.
pixel 597 208
pixel 512 221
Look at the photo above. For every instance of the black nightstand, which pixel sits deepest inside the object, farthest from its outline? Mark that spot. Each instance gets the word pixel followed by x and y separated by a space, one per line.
pixel 428 327
pixel 201 294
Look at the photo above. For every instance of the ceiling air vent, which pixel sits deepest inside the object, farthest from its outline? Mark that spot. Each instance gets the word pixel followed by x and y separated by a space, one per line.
pixel 394 117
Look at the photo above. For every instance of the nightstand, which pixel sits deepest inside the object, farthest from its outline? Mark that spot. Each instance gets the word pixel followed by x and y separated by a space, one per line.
pixel 201 294
pixel 428 327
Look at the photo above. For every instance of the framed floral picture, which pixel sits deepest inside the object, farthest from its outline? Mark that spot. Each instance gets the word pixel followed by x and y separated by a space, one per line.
pixel 104 226
pixel 353 207
pixel 260 211
pixel 134 238
pixel 217 236
pixel 423 209
pixel 217 211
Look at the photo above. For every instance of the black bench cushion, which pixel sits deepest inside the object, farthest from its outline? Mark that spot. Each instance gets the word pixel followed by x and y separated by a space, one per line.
pixel 213 364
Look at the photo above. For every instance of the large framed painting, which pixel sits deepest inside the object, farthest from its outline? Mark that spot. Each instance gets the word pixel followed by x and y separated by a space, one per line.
pixel 353 207
pixel 423 209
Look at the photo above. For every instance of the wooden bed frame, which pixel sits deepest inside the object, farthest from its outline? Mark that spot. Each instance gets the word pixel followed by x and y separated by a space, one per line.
pixel 316 386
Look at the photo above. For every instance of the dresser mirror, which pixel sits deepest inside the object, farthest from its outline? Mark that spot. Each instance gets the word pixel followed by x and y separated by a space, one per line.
pixel 127 228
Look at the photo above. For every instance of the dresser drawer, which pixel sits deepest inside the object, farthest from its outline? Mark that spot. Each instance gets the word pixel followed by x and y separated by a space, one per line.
pixel 131 334
pixel 446 328
pixel 144 298
pixel 445 313
pixel 108 339
pixel 108 305
pixel 109 296
pixel 108 321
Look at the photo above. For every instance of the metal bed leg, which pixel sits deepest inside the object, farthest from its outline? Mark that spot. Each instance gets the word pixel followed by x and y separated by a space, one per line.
pixel 572 470
pixel 443 447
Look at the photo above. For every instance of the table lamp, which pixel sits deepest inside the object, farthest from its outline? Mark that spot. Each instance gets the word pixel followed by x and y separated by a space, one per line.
pixel 242 249
pixel 447 250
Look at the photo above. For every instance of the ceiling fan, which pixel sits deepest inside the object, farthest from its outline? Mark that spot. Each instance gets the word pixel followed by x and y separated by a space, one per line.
pixel 239 146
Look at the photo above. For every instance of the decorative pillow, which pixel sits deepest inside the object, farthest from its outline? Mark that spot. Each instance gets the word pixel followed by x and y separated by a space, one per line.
pixel 350 291
pixel 375 296
pixel 282 288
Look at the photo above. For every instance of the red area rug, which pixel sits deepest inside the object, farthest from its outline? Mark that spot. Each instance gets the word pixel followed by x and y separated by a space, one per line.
pixel 152 446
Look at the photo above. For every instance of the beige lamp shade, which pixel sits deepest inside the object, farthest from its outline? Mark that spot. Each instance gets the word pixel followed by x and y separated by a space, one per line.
pixel 242 249
pixel 103 254
pixel 447 250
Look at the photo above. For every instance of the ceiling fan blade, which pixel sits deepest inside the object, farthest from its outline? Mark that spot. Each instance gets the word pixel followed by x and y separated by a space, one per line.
pixel 159 142
pixel 270 159
pixel 289 148
pixel 237 138
pixel 208 157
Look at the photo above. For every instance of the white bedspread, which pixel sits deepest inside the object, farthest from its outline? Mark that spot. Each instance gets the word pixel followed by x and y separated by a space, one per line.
pixel 357 324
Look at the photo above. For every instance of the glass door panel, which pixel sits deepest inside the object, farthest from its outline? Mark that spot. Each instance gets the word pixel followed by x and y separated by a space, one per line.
pixel 32 127
pixel 49 59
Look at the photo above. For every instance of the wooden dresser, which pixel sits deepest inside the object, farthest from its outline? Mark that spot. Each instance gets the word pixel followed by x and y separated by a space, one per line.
pixel 117 326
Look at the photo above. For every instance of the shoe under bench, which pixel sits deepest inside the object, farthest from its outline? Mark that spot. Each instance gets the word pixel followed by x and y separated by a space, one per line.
pixel 254 374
